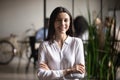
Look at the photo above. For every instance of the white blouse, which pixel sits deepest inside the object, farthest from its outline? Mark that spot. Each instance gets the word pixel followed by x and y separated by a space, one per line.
pixel 57 59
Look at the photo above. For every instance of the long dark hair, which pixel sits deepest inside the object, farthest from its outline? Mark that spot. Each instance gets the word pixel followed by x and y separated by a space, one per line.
pixel 53 16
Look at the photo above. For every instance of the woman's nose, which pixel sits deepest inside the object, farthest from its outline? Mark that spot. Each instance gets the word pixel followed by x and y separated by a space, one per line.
pixel 62 22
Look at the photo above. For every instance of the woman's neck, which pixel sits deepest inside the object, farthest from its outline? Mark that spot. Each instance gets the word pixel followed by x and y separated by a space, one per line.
pixel 60 39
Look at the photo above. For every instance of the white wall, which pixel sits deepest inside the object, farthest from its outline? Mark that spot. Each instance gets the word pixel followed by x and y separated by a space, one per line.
pixel 51 4
pixel 82 7
pixel 16 16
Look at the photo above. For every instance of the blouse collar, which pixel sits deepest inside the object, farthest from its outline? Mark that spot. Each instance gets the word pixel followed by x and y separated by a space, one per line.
pixel 67 41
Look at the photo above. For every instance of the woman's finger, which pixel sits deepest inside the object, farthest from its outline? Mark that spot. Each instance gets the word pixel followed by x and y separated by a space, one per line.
pixel 44 66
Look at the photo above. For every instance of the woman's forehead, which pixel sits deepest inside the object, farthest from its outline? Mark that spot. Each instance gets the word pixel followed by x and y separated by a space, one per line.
pixel 63 15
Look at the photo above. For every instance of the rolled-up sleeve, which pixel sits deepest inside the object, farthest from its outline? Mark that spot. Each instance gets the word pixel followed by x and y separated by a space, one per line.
pixel 50 74
pixel 79 57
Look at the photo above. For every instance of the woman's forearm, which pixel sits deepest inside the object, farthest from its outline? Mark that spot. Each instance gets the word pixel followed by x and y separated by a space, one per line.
pixel 74 72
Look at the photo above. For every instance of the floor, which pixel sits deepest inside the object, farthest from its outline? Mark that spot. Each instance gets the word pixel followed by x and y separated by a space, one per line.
pixel 13 71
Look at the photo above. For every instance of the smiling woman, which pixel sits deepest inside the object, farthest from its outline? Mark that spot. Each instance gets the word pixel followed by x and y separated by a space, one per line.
pixel 61 56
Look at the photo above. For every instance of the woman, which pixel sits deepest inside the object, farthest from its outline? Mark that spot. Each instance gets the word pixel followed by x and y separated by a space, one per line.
pixel 61 56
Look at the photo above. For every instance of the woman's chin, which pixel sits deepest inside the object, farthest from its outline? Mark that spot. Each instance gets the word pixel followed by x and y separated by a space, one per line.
pixel 62 32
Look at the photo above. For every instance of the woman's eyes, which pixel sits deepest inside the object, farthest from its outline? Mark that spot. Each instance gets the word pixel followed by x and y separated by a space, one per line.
pixel 65 20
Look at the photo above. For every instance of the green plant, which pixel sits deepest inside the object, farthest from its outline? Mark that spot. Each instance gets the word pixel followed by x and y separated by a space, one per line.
pixel 100 63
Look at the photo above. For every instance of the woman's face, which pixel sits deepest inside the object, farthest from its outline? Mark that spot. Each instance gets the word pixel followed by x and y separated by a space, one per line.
pixel 62 23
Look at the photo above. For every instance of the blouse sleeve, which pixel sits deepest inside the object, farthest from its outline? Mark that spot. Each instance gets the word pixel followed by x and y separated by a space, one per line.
pixel 46 74
pixel 80 53
pixel 79 59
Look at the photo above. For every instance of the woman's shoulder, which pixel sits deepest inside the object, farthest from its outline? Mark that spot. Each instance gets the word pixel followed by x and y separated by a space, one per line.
pixel 76 39
pixel 44 43
pixel 47 43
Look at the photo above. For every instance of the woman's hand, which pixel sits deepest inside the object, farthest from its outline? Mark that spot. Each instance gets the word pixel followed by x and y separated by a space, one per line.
pixel 79 68
pixel 44 66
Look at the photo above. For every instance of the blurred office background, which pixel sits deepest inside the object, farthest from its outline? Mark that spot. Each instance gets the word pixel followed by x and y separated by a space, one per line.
pixel 16 16
pixel 19 16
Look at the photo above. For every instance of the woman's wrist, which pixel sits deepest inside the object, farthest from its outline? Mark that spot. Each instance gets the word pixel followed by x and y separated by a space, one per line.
pixel 67 71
